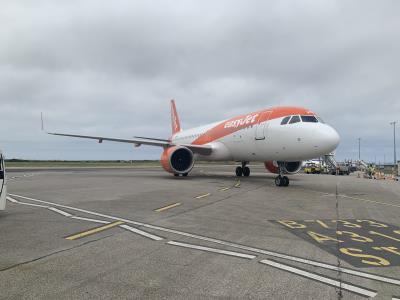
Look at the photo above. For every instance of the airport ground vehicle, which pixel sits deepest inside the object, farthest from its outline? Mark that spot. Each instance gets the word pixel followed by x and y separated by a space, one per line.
pixel 341 169
pixel 312 168
pixel 3 183
pixel 281 137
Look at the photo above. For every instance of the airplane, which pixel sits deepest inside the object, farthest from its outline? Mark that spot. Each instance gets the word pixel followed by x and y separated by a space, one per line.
pixel 281 137
pixel 3 183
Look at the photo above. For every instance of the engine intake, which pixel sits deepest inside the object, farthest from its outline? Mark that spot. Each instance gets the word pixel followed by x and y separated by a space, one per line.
pixel 177 160
pixel 289 167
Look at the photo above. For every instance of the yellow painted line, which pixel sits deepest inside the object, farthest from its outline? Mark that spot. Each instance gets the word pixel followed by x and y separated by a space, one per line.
pixel 167 207
pixel 93 231
pixel 237 184
pixel 224 189
pixel 203 196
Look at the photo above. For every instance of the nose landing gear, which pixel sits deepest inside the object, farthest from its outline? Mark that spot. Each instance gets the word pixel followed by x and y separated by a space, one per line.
pixel 243 170
pixel 281 180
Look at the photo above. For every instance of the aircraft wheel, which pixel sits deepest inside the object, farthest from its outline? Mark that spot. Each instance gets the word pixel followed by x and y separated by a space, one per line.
pixel 285 180
pixel 185 174
pixel 246 171
pixel 239 171
pixel 176 175
pixel 278 180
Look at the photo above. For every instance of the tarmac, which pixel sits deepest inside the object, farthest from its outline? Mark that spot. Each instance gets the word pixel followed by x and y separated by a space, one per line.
pixel 141 233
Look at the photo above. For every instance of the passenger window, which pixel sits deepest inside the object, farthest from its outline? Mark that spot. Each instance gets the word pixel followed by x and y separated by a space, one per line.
pixel 309 119
pixel 285 120
pixel 295 119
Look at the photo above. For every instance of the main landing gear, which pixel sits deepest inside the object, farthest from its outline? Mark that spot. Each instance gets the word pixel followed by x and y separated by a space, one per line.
pixel 243 170
pixel 281 180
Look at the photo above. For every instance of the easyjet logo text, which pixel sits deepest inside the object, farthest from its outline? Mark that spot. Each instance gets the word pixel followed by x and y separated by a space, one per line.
pixel 250 119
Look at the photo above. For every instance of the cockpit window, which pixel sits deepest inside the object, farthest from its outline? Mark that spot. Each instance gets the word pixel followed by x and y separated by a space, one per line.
pixel 320 120
pixel 309 119
pixel 285 120
pixel 294 119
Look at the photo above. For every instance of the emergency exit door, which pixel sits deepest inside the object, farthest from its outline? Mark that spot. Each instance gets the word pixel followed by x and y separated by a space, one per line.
pixel 3 187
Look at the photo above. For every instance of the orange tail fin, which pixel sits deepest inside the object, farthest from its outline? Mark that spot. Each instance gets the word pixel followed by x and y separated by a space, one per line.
pixel 176 125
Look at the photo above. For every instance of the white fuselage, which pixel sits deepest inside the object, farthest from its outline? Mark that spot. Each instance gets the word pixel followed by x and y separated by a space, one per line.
pixel 266 141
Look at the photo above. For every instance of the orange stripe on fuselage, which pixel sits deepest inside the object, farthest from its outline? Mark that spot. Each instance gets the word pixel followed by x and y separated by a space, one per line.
pixel 248 120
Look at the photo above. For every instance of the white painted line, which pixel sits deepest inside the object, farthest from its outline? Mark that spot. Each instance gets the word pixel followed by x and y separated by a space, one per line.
pixel 326 280
pixel 214 250
pixel 12 200
pixel 90 220
pixel 395 298
pixel 61 212
pixel 238 246
pixel 141 232
pixel 31 204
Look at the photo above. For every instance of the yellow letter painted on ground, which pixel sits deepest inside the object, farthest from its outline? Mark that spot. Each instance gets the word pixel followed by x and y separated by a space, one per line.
pixel 320 238
pixel 370 259
pixel 292 224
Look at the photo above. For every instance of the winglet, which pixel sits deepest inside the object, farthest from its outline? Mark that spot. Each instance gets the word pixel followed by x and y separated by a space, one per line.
pixel 176 125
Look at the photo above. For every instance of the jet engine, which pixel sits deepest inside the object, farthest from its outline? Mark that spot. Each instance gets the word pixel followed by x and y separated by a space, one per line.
pixel 289 167
pixel 177 160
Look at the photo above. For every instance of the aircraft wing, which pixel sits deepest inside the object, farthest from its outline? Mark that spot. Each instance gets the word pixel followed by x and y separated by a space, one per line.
pixel 138 141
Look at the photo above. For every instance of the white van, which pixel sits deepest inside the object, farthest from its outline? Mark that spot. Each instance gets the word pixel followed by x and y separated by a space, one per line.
pixel 3 183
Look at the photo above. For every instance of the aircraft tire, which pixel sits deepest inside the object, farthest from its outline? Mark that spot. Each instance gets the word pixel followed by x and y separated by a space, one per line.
pixel 285 180
pixel 239 171
pixel 246 171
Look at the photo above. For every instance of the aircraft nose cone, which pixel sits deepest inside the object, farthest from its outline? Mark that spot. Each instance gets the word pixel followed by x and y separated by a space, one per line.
pixel 331 138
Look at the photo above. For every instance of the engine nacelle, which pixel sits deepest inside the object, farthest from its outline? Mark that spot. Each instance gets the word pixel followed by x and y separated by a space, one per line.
pixel 289 167
pixel 177 160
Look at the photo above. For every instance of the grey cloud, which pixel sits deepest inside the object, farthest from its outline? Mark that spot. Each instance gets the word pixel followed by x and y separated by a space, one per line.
pixel 101 67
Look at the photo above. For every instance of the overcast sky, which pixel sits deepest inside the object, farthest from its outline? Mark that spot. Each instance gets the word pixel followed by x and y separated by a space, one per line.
pixel 110 68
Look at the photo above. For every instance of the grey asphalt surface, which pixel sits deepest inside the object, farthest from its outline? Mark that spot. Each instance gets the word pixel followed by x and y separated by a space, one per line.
pixel 38 262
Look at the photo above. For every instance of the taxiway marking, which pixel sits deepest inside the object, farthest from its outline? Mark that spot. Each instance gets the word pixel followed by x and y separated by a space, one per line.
pixel 237 184
pixel 214 250
pixel 93 231
pixel 230 244
pixel 90 220
pixel 12 200
pixel 323 279
pixel 142 233
pixel 59 211
pixel 224 189
pixel 167 207
pixel 203 196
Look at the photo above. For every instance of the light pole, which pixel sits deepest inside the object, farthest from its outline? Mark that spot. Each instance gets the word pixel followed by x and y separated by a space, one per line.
pixel 394 142
pixel 359 149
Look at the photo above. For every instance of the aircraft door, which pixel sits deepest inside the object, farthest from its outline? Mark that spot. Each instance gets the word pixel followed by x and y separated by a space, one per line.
pixel 262 126
pixel 3 186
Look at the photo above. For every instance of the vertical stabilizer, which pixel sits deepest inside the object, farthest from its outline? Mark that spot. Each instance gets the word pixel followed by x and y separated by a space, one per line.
pixel 176 125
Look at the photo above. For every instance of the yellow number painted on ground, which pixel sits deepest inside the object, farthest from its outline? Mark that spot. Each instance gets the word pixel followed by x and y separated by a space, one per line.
pixel 321 238
pixel 292 224
pixel 348 224
pixel 366 258
pixel 374 223
pixel 356 237
pixel 389 249
pixel 384 235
